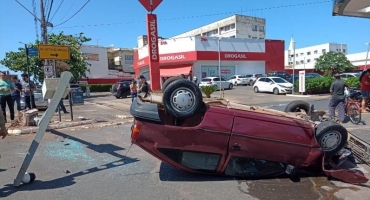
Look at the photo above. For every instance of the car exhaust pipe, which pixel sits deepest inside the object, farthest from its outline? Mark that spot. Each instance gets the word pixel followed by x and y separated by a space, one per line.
pixel 151 98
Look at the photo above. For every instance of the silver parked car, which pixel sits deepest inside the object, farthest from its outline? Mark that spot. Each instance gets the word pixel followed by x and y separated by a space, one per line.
pixel 40 102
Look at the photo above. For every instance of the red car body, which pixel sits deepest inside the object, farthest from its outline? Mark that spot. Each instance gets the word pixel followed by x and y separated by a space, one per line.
pixel 215 140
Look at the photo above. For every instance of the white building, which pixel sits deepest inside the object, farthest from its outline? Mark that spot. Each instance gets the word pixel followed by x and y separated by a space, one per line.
pixel 108 65
pixel 359 60
pixel 236 26
pixel 305 58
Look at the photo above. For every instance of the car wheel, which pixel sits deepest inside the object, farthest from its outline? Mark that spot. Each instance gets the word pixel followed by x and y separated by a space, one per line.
pixel 236 83
pixel 124 95
pixel 182 99
pixel 230 86
pixel 250 83
pixel 276 91
pixel 168 81
pixel 256 89
pixel 331 136
pixel 297 106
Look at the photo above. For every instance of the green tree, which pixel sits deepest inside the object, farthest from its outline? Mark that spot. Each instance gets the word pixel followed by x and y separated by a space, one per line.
pixel 333 62
pixel 16 61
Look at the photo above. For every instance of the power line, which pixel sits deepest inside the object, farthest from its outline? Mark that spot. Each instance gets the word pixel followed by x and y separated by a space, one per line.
pixel 51 6
pixel 27 9
pixel 56 10
pixel 200 16
pixel 74 14
pixel 69 9
pixel 35 19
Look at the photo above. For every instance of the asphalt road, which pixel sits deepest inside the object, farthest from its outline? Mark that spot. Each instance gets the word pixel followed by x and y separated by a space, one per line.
pixel 92 164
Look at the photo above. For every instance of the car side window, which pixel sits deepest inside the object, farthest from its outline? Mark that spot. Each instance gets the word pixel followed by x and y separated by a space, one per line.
pixel 262 79
pixel 222 79
pixel 268 80
pixel 233 77
pixel 198 161
pixel 343 76
pixel 216 79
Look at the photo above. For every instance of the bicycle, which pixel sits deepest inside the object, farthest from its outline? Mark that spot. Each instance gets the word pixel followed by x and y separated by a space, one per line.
pixel 352 109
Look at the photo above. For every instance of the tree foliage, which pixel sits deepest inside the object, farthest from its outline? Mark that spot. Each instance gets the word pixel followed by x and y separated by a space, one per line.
pixel 16 61
pixel 335 62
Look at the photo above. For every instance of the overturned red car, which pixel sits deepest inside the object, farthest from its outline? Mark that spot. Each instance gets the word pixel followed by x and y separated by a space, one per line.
pixel 217 137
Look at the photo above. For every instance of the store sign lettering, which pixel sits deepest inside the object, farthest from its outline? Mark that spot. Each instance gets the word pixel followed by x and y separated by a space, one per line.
pixel 235 55
pixel 153 39
pixel 173 57
pixel 141 63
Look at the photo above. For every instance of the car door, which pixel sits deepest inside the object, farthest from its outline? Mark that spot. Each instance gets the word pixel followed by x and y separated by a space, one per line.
pixel 225 83
pixel 259 137
pixel 268 85
pixel 217 82
pixel 201 148
pixel 261 84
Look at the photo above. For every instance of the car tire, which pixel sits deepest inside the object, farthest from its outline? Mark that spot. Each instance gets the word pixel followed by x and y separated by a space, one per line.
pixel 331 136
pixel 170 80
pixel 236 83
pixel 276 91
pixel 230 86
pixel 124 95
pixel 296 106
pixel 182 99
pixel 250 83
pixel 256 90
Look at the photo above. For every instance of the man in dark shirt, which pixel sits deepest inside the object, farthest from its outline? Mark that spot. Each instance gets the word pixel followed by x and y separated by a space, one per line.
pixel 16 93
pixel 337 99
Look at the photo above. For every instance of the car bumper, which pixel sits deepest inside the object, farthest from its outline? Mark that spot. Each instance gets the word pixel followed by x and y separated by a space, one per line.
pixel 143 110
pixel 242 82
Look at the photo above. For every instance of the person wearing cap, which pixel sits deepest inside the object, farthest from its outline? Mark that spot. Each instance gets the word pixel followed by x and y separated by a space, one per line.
pixel 133 90
pixel 337 100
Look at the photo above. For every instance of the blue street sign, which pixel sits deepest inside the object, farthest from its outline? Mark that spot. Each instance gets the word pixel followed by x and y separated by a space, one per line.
pixel 33 52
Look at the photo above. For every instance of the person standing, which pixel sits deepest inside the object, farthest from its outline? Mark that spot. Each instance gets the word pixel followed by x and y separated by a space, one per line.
pixel 365 89
pixel 337 100
pixel 133 90
pixel 26 83
pixel 87 90
pixel 6 87
pixel 16 93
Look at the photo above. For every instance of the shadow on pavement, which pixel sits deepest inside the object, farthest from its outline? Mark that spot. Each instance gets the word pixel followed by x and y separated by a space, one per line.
pixel 69 180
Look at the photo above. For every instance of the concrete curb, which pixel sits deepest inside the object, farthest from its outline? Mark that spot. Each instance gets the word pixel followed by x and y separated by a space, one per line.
pixel 297 95
pixel 30 130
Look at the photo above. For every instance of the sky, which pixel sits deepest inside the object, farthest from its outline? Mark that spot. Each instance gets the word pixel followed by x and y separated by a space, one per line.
pixel 120 22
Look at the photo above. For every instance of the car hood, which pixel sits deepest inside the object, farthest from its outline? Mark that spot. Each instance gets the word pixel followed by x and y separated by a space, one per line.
pixel 285 84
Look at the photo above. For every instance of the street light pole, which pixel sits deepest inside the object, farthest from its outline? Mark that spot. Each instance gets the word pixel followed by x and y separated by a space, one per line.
pixel 219 65
pixel 367 55
pixel 293 65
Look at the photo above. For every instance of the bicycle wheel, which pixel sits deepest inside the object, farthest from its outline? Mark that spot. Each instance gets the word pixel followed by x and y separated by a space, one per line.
pixel 354 113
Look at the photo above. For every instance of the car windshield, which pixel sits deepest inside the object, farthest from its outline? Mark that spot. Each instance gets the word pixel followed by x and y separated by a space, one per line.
pixel 242 76
pixel 74 86
pixel 206 80
pixel 279 80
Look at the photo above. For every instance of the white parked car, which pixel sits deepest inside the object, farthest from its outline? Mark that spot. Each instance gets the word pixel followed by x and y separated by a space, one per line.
pixel 207 81
pixel 276 85
pixel 238 80
pixel 350 75
pixel 40 102
pixel 252 78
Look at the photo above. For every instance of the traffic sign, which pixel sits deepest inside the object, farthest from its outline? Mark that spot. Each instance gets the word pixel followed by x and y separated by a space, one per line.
pixel 54 52
pixel 32 52
pixel 150 5
pixel 48 70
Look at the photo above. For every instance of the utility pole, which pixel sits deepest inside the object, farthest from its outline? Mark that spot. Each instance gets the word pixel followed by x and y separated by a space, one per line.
pixel 44 29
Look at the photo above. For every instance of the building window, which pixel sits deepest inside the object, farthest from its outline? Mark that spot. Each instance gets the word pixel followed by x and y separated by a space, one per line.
pixel 214 32
pixel 302 61
pixel 209 33
pixel 308 53
pixel 323 51
pixel 290 63
pixel 129 57
pixel 344 51
pixel 232 36
pixel 227 28
pixel 296 55
pixel 254 27
pixel 232 26
pixel 262 29
pixel 315 52
pixel 302 54
pixel 254 38
pixel 297 62
pixel 262 38
pixel 308 60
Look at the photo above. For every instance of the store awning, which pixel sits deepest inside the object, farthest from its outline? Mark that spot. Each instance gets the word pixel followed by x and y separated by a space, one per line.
pixel 352 8
pixel 167 71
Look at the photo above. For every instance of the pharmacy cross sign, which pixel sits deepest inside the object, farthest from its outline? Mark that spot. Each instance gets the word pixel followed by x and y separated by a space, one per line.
pixel 150 5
